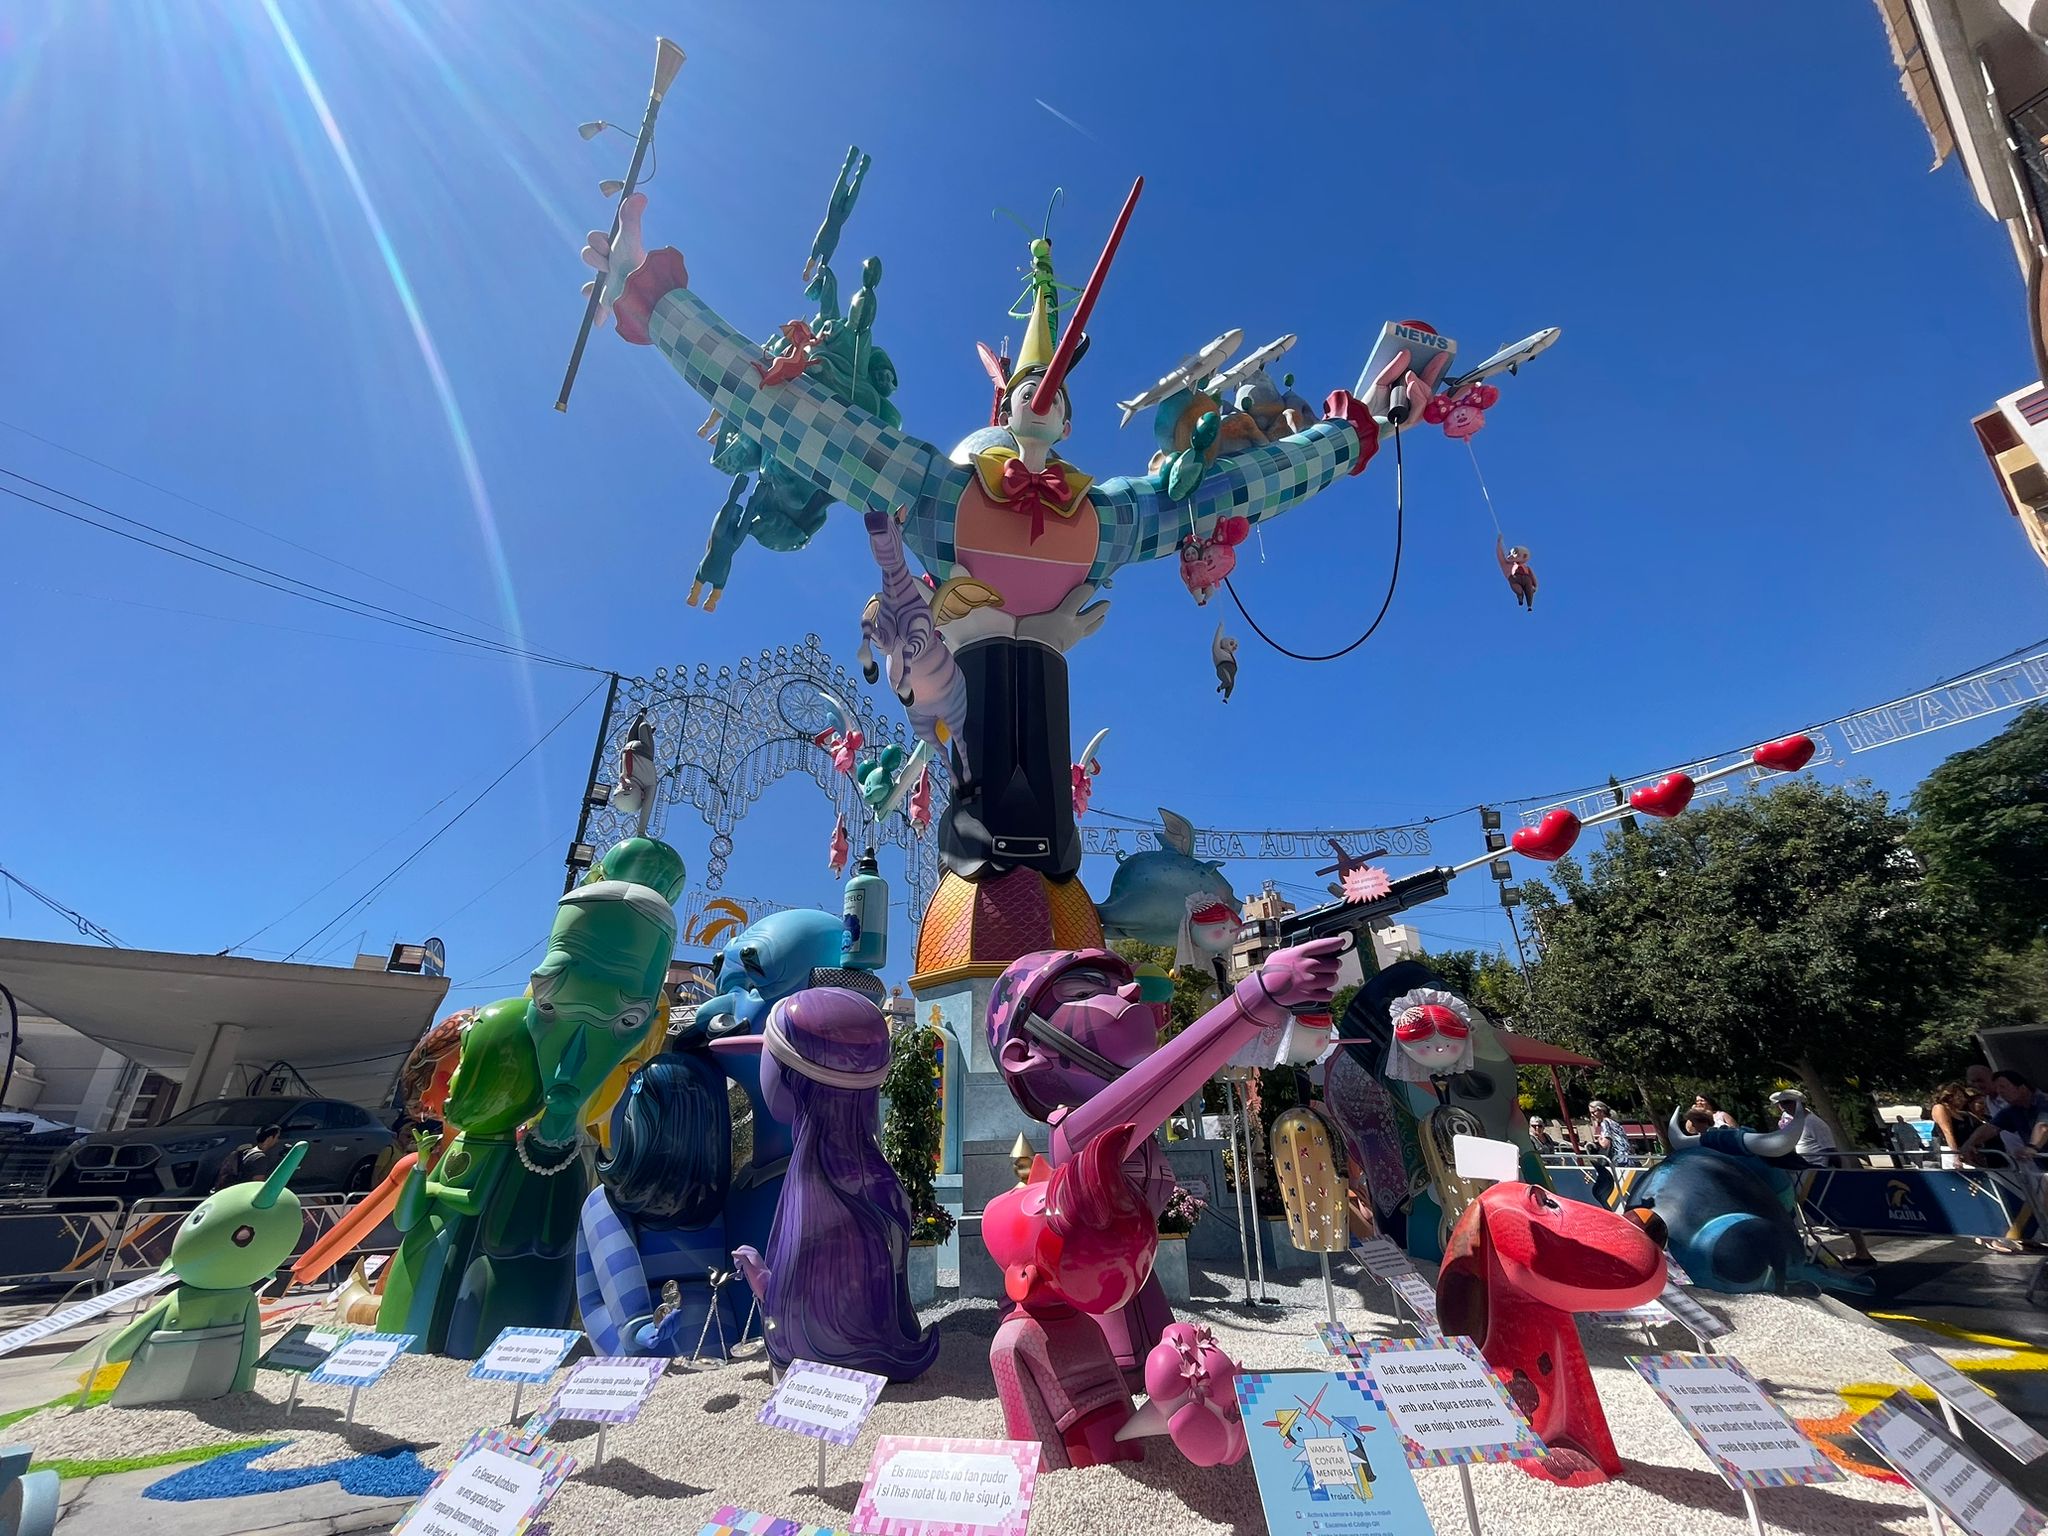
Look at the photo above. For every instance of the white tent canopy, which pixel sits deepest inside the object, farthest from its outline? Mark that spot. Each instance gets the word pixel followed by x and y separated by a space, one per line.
pixel 197 1018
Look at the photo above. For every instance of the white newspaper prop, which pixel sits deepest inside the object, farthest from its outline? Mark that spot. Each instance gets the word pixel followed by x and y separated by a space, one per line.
pixel 1480 1157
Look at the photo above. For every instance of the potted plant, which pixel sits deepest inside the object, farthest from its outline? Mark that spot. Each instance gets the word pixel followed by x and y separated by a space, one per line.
pixel 912 1132
pixel 1177 1219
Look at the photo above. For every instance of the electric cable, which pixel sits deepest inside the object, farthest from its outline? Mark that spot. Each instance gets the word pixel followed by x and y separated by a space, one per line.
pixel 265 576
pixel 1393 581
pixel 229 517
pixel 370 895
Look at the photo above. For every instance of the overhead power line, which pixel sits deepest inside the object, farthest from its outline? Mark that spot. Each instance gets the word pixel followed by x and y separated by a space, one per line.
pixel 265 576
pixel 257 528
pixel 399 868
pixel 78 920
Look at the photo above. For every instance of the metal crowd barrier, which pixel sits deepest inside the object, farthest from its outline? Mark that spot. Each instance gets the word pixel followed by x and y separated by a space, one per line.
pixel 53 1242
pixel 145 1238
pixel 94 1242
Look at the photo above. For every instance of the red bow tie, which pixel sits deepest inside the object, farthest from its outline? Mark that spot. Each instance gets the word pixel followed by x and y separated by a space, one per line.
pixel 1034 493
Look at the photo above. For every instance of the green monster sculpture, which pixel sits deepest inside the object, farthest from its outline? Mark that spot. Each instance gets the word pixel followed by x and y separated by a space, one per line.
pixel 497 1232
pixel 201 1341
pixel 495 1089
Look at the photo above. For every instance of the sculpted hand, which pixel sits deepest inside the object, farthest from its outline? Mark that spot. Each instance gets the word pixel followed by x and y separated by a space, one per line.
pixel 615 261
pixel 1303 976
pixel 1068 624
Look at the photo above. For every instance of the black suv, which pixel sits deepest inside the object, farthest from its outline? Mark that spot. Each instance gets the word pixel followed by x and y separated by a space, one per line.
pixel 183 1155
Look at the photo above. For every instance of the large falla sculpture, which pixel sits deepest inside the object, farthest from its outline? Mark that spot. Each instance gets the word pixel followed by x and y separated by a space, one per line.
pixel 1035 537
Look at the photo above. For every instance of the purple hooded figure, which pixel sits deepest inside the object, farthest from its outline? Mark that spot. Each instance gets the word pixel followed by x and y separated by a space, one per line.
pixel 837 1286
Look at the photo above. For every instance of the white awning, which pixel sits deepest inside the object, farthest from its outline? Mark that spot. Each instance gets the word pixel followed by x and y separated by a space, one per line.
pixel 346 1031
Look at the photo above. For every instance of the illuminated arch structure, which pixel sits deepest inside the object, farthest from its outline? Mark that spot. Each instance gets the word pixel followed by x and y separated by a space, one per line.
pixel 722 738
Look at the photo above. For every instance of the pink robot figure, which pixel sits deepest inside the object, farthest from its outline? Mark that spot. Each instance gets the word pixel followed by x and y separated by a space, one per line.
pixel 1080 1051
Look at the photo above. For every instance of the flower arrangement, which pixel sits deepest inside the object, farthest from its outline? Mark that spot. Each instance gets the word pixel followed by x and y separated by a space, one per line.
pixel 1183 1209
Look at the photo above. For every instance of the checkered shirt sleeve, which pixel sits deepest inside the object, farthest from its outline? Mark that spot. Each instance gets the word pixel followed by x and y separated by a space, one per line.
pixel 611 1285
pixel 1138 523
pixel 851 453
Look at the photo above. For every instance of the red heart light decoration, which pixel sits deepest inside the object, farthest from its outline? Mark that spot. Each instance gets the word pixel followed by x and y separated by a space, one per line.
pixel 1789 754
pixel 1663 799
pixel 1550 839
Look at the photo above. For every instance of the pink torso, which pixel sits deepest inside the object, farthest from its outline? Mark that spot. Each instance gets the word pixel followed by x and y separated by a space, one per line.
pixel 992 540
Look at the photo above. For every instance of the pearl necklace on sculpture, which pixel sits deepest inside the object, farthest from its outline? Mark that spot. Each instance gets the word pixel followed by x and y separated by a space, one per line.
pixel 528 1133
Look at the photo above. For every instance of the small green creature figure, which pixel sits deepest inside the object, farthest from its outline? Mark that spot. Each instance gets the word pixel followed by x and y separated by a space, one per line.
pixel 1038 277
pixel 201 1341
pixel 495 1088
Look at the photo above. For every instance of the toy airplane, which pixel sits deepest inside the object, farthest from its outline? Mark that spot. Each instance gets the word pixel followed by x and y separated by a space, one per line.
pixel 1226 382
pixel 1507 360
pixel 1193 368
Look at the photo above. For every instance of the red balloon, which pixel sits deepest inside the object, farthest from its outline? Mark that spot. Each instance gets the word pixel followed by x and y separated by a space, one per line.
pixel 1550 839
pixel 1663 799
pixel 1788 754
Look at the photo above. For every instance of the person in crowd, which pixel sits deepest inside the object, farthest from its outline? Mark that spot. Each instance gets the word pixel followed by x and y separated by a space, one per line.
pixel 1697 1122
pixel 2017 1125
pixel 1816 1145
pixel 1956 1115
pixel 253 1162
pixel 1542 1137
pixel 1715 1114
pixel 1610 1148
pixel 1978 1079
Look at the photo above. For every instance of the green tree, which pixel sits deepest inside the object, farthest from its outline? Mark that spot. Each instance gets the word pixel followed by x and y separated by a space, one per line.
pixel 911 1126
pixel 1785 931
pixel 1981 830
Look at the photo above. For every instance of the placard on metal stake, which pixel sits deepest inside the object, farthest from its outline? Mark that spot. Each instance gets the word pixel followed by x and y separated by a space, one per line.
pixel 1471 1504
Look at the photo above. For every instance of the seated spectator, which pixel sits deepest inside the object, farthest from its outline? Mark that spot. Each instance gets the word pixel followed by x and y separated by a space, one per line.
pixel 1816 1145
pixel 1609 1148
pixel 1956 1118
pixel 1715 1114
pixel 1697 1122
pixel 1542 1138
pixel 1977 1078
pixel 2018 1126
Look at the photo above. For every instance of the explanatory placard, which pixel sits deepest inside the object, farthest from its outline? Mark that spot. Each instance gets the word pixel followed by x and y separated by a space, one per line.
pixel 525 1355
pixel 825 1402
pixel 921 1486
pixel 1747 1437
pixel 494 1488
pixel 1959 1484
pixel 1972 1402
pixel 1446 1402
pixel 361 1360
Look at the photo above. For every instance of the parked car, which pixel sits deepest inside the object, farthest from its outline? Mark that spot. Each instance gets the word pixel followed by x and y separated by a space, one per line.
pixel 183 1155
pixel 29 1146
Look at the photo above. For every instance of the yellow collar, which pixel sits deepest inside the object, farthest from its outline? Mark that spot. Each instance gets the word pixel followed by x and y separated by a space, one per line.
pixel 988 465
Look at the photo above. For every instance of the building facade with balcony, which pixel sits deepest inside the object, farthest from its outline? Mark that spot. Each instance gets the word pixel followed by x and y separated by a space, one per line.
pixel 1976 72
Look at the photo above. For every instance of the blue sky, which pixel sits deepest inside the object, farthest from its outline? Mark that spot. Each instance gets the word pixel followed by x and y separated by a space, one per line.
pixel 1746 472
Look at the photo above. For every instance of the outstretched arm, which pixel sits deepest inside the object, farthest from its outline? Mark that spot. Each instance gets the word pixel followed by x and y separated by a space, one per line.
pixel 1170 1076
pixel 846 450
pixel 1139 523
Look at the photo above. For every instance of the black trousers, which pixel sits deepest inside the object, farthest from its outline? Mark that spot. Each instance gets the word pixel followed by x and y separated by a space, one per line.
pixel 1014 808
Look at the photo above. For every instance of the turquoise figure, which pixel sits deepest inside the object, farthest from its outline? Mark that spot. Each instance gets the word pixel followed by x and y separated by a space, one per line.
pixel 787 507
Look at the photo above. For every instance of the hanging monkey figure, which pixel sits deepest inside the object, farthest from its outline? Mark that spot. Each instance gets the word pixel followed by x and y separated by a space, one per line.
pixel 1514 564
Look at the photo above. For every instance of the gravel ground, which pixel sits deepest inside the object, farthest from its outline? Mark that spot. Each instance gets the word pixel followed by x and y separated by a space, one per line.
pixel 697 1446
